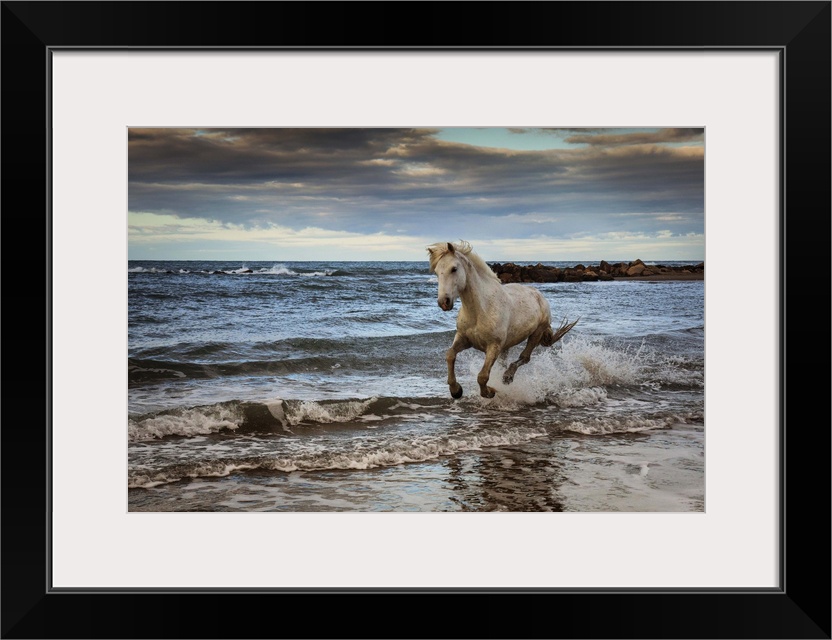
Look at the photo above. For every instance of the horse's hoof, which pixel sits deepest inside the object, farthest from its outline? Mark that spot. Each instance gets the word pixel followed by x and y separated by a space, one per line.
pixel 488 393
pixel 458 393
pixel 508 379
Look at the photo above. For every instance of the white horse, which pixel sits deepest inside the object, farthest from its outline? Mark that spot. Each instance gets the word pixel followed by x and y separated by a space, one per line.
pixel 494 317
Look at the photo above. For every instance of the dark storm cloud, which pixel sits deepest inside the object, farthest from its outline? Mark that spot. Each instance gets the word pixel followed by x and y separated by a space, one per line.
pixel 561 130
pixel 658 137
pixel 363 180
pixel 251 155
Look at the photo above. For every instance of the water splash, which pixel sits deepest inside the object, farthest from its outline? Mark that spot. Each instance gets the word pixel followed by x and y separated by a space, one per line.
pixel 576 372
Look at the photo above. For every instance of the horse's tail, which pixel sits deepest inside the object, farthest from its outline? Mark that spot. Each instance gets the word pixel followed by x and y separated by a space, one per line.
pixel 551 337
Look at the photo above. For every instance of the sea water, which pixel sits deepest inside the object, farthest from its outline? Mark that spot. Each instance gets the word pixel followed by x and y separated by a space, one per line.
pixel 321 386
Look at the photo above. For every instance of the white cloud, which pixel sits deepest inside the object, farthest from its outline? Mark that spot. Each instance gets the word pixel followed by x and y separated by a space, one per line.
pixel 192 235
pixel 419 170
pixel 310 243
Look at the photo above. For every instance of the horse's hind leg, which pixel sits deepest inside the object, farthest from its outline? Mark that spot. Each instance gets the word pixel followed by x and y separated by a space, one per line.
pixel 525 356
pixel 460 344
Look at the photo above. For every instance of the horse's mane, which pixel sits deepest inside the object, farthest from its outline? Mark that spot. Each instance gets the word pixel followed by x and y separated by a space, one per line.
pixel 439 249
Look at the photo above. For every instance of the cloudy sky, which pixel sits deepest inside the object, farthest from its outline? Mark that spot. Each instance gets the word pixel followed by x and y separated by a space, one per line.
pixel 384 194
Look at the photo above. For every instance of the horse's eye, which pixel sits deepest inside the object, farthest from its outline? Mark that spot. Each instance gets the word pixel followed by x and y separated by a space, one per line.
pixel 453 270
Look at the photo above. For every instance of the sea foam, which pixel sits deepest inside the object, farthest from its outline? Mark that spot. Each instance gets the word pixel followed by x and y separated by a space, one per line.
pixel 574 372
pixel 359 457
pixel 310 411
pixel 185 422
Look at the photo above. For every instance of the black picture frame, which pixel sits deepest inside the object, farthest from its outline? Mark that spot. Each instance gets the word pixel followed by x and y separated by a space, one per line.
pixel 799 608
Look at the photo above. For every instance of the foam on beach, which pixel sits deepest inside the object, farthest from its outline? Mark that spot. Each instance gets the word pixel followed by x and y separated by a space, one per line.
pixel 315 458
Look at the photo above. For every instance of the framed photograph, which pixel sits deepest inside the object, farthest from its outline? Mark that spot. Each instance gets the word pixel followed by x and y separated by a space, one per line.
pixel 292 320
pixel 183 387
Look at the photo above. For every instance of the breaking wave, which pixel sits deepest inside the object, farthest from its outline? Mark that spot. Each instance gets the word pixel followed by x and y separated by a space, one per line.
pixel 390 452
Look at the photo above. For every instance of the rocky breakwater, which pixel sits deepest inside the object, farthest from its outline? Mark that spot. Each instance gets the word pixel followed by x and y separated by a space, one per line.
pixel 510 272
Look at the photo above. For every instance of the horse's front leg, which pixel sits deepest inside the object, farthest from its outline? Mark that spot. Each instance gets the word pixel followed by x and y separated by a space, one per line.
pixel 491 353
pixel 525 356
pixel 460 344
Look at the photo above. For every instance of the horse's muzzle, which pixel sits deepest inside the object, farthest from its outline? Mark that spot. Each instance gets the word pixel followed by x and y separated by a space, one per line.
pixel 446 304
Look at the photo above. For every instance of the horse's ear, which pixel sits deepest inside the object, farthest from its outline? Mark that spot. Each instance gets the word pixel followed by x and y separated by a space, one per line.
pixel 450 247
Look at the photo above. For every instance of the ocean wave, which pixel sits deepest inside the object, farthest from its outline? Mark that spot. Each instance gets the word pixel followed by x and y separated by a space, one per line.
pixel 142 372
pixel 369 456
pixel 281 416
pixel 188 422
pixel 608 425
pixel 283 270
pixel 149 270
pixel 275 270
pixel 391 353
pixel 272 416
pixel 136 372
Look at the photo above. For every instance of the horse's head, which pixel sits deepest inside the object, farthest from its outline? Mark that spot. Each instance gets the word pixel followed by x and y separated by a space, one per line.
pixel 449 265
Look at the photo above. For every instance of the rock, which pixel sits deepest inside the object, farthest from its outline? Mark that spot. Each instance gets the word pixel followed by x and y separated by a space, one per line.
pixel 604 271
